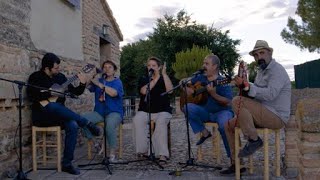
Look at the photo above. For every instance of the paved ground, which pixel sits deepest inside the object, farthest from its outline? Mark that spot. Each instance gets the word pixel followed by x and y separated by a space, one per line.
pixel 149 170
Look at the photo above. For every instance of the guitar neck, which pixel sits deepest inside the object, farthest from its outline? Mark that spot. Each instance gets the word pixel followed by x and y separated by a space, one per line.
pixel 69 81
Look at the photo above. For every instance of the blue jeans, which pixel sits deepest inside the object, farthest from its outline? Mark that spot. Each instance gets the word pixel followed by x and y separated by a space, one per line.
pixel 55 114
pixel 198 116
pixel 113 120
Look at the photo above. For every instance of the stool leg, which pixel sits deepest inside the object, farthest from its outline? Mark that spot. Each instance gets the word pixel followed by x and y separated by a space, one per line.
pixel 200 149
pixel 277 132
pixel 266 153
pixel 89 142
pixel 251 164
pixel 34 149
pixel 218 139
pixel 169 139
pixel 237 149
pixel 120 141
pixel 59 149
pixel 44 147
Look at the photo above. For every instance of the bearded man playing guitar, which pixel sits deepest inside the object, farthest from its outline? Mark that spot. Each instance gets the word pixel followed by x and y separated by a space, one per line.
pixel 217 107
pixel 49 111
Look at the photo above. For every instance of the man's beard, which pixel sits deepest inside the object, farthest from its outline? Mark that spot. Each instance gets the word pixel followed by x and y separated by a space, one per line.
pixel 262 64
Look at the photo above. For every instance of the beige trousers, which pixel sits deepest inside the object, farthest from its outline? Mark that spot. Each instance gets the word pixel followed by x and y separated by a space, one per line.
pixel 251 114
pixel 160 134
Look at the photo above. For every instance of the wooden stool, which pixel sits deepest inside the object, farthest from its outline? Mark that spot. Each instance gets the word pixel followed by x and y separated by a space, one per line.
pixel 265 132
pixel 44 144
pixel 90 142
pixel 216 151
pixel 169 135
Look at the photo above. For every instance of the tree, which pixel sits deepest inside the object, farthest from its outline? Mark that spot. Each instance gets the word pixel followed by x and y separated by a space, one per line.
pixel 253 69
pixel 189 61
pixel 306 35
pixel 174 34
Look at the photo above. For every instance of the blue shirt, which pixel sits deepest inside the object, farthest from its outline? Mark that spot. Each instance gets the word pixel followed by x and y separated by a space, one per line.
pixel 111 104
pixel 212 106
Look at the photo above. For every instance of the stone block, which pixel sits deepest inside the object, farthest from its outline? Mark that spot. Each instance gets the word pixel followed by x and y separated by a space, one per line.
pixel 311 137
pixel 309 148
pixel 310 160
pixel 308 114
pixel 292 172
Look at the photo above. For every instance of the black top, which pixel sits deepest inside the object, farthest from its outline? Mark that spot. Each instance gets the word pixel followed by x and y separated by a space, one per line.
pixel 158 103
pixel 40 78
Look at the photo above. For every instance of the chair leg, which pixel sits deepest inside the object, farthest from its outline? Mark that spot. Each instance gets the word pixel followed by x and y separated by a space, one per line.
pixel 218 141
pixel 44 147
pixel 120 141
pixel 169 139
pixel 277 132
pixel 200 149
pixel 251 164
pixel 59 149
pixel 237 149
pixel 266 153
pixel 89 142
pixel 34 149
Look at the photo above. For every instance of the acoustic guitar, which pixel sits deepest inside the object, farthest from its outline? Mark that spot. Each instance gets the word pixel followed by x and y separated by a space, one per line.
pixel 200 94
pixel 63 87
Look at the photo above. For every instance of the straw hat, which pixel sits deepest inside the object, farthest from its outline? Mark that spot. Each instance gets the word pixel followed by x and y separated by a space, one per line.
pixel 260 44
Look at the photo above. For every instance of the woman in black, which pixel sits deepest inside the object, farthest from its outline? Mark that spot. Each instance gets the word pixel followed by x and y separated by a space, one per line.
pixel 159 108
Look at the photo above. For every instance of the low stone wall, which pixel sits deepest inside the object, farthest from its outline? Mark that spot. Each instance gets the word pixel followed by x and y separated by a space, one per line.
pixel 302 156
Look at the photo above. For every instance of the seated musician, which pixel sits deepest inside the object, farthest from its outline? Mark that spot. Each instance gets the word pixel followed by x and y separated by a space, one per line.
pixel 217 106
pixel 108 107
pixel 160 111
pixel 47 112
pixel 270 107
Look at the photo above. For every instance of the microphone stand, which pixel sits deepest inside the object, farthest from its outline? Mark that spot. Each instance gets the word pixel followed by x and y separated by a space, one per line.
pixel 190 161
pixel 20 174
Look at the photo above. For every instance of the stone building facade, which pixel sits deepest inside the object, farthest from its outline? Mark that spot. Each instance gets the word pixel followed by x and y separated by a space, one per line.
pixel 72 29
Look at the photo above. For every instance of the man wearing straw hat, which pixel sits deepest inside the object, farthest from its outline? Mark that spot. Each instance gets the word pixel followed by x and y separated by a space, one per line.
pixel 268 104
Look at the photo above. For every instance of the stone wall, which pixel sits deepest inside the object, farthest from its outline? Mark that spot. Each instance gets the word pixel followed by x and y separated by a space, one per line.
pixel 302 143
pixel 19 58
pixel 95 14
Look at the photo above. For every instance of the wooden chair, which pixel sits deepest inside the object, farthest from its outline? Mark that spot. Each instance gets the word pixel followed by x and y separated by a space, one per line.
pixel 169 135
pixel 265 132
pixel 216 149
pixel 90 142
pixel 45 144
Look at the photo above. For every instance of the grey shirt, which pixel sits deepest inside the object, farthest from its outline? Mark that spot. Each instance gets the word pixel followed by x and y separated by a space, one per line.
pixel 272 88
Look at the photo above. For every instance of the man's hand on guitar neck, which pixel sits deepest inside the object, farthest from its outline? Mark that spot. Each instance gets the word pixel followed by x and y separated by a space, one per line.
pixel 241 83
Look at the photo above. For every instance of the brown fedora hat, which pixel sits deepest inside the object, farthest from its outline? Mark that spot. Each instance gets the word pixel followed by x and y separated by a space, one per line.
pixel 260 44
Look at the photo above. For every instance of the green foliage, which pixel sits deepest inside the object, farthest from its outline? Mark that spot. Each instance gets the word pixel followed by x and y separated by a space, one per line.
pixel 306 35
pixel 174 34
pixel 293 85
pixel 189 61
pixel 253 69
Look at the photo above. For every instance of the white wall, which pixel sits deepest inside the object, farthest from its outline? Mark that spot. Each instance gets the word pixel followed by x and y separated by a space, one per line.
pixel 56 27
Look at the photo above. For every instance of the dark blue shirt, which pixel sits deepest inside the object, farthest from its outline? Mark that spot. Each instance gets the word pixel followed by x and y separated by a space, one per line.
pixel 212 105
pixel 111 104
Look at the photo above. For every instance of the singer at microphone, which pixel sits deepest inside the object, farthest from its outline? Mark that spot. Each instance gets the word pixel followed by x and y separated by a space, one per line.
pixel 150 72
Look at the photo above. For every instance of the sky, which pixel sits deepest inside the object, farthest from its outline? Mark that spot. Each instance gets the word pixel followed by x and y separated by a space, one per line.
pixel 247 20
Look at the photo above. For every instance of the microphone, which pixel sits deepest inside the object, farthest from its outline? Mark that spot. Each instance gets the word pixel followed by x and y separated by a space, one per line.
pixel 150 72
pixel 200 71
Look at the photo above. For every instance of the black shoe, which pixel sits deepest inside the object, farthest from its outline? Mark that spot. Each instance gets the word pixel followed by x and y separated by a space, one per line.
pixel 71 169
pixel 93 129
pixel 202 139
pixel 232 170
pixel 250 148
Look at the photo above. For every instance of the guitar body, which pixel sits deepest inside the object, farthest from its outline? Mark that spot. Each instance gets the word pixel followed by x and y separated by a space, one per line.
pixel 195 99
